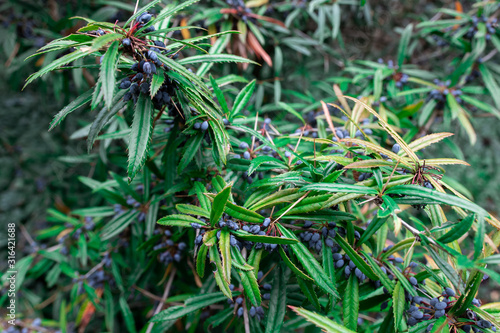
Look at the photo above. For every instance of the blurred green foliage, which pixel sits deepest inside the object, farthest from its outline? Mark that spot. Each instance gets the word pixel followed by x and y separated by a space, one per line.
pixel 395 56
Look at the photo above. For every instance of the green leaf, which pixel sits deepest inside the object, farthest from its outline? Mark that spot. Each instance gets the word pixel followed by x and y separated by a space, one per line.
pixel 336 20
pixel 156 82
pixel 167 11
pixel 277 303
pixel 218 319
pixel 219 95
pixel 218 275
pixel 448 199
pixel 191 305
pixel 398 298
pixel 372 228
pixel 307 288
pixel 356 258
pixel 127 315
pixel 441 325
pixel 328 264
pixel 291 110
pixel 22 267
pixel 225 250
pixel 465 300
pixel 101 41
pixel 190 148
pixel 426 111
pixel 292 266
pixel 479 238
pixel 66 59
pixel 402 279
pixel 403 44
pixel 201 258
pixel 258 161
pixel 176 67
pixel 384 279
pixel 219 204
pixel 340 188
pixel 75 105
pixel 254 259
pixel 458 230
pixel 179 220
pixel 140 136
pixel 243 214
pixel 108 72
pixel 447 269
pixel 192 210
pixel 321 321
pixel 310 263
pixel 214 58
pixel 490 83
pixel 263 239
pixel 242 99
pixel 351 303
pixel 283 196
pixel 94 211
pixel 118 224
pixel 421 327
pixel 248 278
pixel 103 117
pixel 202 198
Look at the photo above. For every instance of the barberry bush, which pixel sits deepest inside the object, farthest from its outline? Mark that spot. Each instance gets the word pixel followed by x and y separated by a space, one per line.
pixel 245 187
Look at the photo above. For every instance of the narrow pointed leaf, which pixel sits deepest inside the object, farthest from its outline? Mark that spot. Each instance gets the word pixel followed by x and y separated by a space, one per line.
pixel 77 103
pixel 351 303
pixel 356 258
pixel 321 321
pixel 191 305
pixel 219 204
pixel 179 220
pixel 277 303
pixel 309 263
pixel 458 230
pixel 140 136
pixel 243 98
pixel 225 250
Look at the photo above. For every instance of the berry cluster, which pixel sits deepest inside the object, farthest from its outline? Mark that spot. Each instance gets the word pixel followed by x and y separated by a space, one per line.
pixel 242 10
pixel 169 251
pixel 440 94
pixel 398 77
pixel 491 27
pixel 88 225
pixel 226 222
pixel 422 309
pixel 25 27
pixel 474 322
pixel 258 148
pixel 142 20
pixel 136 206
pixel 254 311
pixel 140 83
pixel 313 238
pixel 201 126
pixel 349 266
pixel 440 41
pixel 146 65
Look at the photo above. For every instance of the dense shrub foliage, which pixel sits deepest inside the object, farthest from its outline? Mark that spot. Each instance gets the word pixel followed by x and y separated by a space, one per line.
pixel 260 169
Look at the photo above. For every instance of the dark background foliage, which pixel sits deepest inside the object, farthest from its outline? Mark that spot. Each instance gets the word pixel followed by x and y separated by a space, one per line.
pixel 40 169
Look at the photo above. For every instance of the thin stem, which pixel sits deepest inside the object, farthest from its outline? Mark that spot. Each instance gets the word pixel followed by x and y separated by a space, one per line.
pixel 163 298
pixel 294 204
